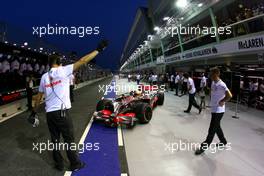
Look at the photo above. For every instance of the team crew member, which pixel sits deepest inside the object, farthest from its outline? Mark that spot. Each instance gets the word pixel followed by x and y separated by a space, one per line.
pixel 154 79
pixel 172 82
pixel 129 77
pixel 55 86
pixel 220 94
pixel 192 90
pixel 138 78
pixel 203 85
pixel 72 80
pixel 177 80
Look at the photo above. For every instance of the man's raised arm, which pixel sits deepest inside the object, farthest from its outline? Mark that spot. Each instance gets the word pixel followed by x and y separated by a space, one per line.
pixel 87 58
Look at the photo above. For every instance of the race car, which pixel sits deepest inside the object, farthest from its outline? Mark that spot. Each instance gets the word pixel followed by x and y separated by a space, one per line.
pixel 130 108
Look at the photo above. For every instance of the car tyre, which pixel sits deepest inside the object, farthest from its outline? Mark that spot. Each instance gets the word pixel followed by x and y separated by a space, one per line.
pixel 143 112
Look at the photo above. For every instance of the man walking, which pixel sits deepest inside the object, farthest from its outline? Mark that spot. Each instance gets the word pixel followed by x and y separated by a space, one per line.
pixel 192 90
pixel 220 94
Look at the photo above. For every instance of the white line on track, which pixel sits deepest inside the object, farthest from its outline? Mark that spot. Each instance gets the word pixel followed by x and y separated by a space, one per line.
pixel 124 174
pixel 120 136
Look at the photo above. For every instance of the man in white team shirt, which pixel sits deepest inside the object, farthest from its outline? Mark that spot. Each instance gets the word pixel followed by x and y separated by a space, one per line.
pixel 220 94
pixel 192 91
pixel 154 79
pixel 138 78
pixel 203 82
pixel 55 85
pixel 177 81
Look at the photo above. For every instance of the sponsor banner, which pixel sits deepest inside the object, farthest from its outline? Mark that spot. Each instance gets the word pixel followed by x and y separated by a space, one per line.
pixel 249 44
pixel 9 97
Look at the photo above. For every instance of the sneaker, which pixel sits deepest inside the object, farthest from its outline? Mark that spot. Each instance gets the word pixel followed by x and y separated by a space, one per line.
pixel 186 111
pixel 78 167
pixel 200 110
pixel 199 152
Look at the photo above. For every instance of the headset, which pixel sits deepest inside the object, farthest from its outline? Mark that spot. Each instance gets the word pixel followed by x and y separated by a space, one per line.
pixel 54 59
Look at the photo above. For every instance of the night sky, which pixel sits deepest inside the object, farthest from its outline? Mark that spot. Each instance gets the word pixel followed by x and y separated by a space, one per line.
pixel 113 17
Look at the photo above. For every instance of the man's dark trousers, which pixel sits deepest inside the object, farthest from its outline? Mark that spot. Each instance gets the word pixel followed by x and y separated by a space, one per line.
pixel 192 102
pixel 176 87
pixel 62 126
pixel 215 128
pixel 72 93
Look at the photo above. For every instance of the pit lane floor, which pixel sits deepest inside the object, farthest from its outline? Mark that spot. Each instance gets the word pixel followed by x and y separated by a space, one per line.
pixel 17 136
pixel 149 147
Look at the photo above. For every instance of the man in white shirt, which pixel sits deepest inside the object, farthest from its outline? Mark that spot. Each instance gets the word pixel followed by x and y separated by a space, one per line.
pixel 220 94
pixel 6 66
pixel 138 78
pixel 172 82
pixel 36 68
pixel 177 81
pixel 203 85
pixel 42 69
pixel 192 90
pixel 154 79
pixel 15 65
pixel 203 82
pixel 129 77
pixel 55 86
pixel 23 68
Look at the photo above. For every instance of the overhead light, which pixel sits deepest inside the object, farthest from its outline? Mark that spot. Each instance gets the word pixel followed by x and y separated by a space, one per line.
pixel 181 3
pixel 150 37
pixel 25 44
pixel 6 42
pixel 14 44
pixel 166 18
pixel 40 49
pixel 156 28
pixel 200 4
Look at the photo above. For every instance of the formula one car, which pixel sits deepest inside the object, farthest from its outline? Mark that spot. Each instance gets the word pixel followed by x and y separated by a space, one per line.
pixel 129 108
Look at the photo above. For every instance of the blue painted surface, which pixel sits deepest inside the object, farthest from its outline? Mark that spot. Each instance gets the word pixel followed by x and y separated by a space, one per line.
pixel 105 161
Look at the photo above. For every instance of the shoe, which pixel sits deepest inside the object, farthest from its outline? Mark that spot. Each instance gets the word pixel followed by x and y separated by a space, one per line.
pixel 59 167
pixel 176 94
pixel 186 111
pixel 200 110
pixel 78 167
pixel 199 152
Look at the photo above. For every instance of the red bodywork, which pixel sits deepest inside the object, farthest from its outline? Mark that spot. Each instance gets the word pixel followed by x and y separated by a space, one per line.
pixel 121 104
